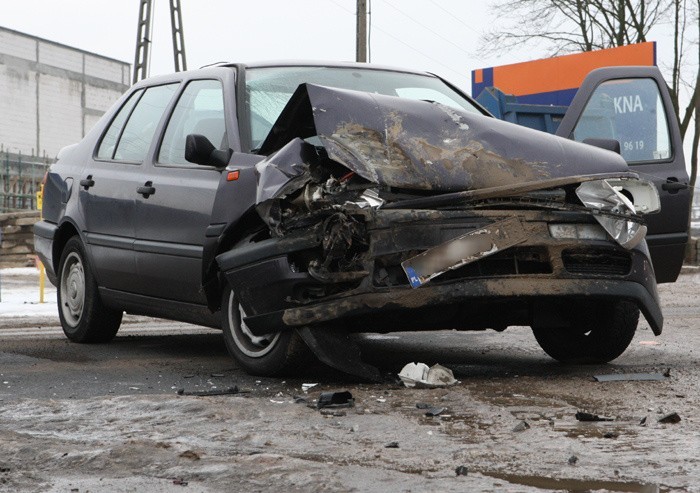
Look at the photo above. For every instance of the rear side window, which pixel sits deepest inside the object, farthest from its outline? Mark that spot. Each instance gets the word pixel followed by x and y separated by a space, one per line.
pixel 109 141
pixel 135 137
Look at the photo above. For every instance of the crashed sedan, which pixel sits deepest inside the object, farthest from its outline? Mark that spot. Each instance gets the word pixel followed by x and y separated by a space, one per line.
pixel 351 199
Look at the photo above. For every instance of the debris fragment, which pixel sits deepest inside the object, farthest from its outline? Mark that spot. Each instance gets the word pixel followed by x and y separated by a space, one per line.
pixel 299 400
pixel 392 445
pixel 180 482
pixel 573 460
pixel 333 412
pixel 610 434
pixel 217 375
pixel 421 376
pixel 672 418
pixel 521 426
pixel 461 471
pixel 631 377
pixel 643 421
pixel 335 400
pixel 583 416
pixel 190 454
pixel 667 372
pixel 648 343
pixel 423 405
pixel 434 411
pixel 307 386
pixel 203 393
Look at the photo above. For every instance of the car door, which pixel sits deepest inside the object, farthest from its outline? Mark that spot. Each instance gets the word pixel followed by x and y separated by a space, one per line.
pixel 174 210
pixel 632 105
pixel 108 186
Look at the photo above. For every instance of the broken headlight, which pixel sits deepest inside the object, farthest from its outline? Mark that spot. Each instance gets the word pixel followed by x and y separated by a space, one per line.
pixel 621 197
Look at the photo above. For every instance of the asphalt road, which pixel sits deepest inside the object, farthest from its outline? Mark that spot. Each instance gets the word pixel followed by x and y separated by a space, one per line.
pixel 108 417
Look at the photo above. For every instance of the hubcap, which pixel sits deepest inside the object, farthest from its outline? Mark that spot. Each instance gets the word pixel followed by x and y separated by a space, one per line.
pixel 72 289
pixel 249 344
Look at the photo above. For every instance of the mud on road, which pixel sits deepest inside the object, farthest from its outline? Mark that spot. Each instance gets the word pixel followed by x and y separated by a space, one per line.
pixel 109 417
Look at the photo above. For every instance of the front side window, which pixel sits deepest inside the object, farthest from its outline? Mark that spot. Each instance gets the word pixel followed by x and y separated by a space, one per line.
pixel 135 138
pixel 200 110
pixel 630 111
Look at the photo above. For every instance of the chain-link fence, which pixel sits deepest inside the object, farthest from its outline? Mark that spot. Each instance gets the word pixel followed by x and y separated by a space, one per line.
pixel 20 180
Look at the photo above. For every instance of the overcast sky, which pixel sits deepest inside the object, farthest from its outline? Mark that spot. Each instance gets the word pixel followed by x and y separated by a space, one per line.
pixel 440 36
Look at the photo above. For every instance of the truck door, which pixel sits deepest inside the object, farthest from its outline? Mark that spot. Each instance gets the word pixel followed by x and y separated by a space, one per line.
pixel 632 105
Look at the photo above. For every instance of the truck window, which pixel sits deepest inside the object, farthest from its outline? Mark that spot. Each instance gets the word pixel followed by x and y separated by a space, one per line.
pixel 630 111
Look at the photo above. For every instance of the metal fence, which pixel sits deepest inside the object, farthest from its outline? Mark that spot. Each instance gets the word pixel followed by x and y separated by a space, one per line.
pixel 20 180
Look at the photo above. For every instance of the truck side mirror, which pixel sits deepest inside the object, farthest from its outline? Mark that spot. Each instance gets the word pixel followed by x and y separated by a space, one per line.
pixel 607 144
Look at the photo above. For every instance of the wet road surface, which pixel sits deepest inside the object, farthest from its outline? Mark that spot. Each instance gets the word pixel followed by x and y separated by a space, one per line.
pixel 109 417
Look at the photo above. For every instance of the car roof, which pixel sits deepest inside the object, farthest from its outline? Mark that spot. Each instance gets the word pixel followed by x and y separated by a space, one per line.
pixel 217 67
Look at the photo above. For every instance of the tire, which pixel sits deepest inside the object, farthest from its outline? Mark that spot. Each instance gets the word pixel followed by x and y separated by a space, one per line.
pixel 600 333
pixel 83 316
pixel 277 354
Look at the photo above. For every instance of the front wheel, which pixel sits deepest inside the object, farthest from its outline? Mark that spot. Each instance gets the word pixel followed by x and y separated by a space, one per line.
pixel 83 316
pixel 269 355
pixel 600 333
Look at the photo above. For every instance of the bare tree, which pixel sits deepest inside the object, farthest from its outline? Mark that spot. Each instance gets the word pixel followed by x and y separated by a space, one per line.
pixel 566 26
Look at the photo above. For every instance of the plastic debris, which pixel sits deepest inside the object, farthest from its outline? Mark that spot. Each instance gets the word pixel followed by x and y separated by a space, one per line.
pixel 434 411
pixel 421 376
pixel 672 418
pixel 521 426
pixel 423 405
pixel 583 416
pixel 630 377
pixel 307 386
pixel 205 393
pixel 335 400
pixel 461 471
pixel 392 445
pixel 573 460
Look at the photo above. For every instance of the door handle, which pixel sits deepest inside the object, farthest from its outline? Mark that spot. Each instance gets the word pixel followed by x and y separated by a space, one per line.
pixel 87 182
pixel 146 190
pixel 672 185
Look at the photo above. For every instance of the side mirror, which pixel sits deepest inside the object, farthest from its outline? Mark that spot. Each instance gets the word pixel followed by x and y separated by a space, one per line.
pixel 607 144
pixel 199 150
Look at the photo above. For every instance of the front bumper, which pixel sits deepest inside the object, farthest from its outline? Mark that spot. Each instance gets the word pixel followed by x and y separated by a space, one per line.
pixel 521 285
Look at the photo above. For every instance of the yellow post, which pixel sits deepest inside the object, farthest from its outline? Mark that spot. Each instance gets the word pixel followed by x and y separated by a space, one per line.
pixel 40 266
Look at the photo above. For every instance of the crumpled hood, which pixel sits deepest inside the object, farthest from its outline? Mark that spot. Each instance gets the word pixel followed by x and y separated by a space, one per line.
pixel 423 145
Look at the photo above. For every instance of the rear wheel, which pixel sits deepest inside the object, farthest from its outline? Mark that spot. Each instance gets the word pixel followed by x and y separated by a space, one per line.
pixel 600 333
pixel 269 355
pixel 83 316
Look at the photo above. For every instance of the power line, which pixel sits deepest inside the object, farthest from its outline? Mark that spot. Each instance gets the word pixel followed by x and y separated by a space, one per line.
pixel 455 17
pixel 427 28
pixel 374 24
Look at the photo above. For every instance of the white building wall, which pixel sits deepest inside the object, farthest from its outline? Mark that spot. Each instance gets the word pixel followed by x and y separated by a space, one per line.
pixel 18 110
pixel 60 113
pixel 51 94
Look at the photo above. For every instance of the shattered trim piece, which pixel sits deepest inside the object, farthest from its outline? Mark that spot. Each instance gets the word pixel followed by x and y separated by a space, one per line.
pixel 463 250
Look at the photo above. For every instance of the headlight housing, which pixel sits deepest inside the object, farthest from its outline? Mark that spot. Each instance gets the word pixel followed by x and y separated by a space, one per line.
pixel 622 197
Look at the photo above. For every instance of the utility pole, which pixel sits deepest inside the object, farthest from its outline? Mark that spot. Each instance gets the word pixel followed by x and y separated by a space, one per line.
pixel 361 32
pixel 143 41
pixel 143 38
pixel 178 36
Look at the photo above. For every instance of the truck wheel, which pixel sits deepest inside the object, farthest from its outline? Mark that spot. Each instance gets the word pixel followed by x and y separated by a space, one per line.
pixel 271 355
pixel 83 316
pixel 599 334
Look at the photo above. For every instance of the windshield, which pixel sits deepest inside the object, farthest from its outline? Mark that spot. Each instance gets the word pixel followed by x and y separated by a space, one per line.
pixel 269 89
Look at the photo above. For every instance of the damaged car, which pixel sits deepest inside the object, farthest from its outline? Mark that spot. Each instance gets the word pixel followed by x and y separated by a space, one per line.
pixel 294 204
